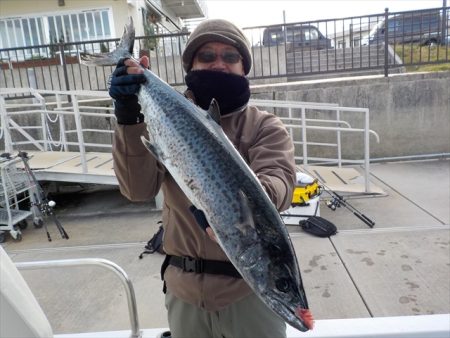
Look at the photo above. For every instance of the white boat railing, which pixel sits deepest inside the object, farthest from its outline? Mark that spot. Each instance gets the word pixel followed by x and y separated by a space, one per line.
pixel 424 326
pixel 430 326
pixel 99 262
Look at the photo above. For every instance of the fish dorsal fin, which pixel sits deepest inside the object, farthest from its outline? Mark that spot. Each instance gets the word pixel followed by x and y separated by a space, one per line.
pixel 214 111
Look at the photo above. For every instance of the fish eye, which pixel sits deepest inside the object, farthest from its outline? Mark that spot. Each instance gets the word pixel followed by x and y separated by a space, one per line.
pixel 282 284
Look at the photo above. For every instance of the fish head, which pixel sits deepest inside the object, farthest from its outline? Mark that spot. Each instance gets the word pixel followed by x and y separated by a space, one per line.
pixel 286 296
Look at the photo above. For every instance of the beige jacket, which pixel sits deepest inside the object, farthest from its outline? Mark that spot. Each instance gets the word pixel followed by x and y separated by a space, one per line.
pixel 265 145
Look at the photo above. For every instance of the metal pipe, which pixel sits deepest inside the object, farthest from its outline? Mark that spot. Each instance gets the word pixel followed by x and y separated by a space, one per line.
pixel 129 290
pixel 367 151
pixel 4 125
pixel 305 145
pixel 62 127
pixel 338 139
pixel 386 42
pixel 76 110
pixel 411 157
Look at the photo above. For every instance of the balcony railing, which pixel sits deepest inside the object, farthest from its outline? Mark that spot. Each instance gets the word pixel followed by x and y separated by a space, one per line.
pixel 382 43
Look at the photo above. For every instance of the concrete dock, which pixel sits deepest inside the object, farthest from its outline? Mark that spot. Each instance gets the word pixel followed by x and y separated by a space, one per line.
pixel 400 267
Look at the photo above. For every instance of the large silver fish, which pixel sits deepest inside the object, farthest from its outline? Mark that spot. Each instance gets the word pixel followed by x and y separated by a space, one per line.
pixel 215 178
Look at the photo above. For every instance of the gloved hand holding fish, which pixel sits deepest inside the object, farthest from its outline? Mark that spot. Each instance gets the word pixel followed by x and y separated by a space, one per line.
pixel 125 83
pixel 193 148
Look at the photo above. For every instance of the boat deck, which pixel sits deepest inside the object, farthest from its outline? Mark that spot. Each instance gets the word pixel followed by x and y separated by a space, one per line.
pixel 401 267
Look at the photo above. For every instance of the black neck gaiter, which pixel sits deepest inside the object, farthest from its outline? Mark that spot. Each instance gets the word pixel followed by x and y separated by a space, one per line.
pixel 231 91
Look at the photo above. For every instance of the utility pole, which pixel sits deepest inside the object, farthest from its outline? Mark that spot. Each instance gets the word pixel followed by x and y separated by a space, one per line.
pixel 444 21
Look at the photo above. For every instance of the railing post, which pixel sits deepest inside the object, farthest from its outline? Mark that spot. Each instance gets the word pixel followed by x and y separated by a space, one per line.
pixel 62 127
pixel 76 110
pixel 386 42
pixel 291 131
pixel 338 136
pixel 41 100
pixel 304 142
pixel 4 126
pixel 64 65
pixel 366 150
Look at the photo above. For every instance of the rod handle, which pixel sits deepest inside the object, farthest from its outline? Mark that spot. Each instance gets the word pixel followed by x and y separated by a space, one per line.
pixel 365 219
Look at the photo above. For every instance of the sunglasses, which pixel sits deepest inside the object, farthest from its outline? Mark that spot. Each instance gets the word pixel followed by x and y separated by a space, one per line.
pixel 208 56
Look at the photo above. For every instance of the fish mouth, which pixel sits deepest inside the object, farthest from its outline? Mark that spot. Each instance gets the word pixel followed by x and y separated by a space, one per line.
pixel 305 316
pixel 298 317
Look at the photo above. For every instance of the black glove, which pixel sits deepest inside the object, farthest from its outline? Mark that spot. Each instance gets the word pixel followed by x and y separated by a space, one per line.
pixel 199 217
pixel 123 89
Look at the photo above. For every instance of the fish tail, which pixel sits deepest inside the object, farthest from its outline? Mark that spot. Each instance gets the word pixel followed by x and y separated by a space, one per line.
pixel 124 49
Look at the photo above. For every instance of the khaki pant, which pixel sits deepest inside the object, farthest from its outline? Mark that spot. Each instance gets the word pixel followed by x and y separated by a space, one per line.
pixel 247 318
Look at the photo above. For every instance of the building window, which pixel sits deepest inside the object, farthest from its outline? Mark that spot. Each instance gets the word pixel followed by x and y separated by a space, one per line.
pixel 50 29
pixel 88 25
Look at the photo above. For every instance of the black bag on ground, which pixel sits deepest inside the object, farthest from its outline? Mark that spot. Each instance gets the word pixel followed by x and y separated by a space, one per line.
pixel 155 243
pixel 318 226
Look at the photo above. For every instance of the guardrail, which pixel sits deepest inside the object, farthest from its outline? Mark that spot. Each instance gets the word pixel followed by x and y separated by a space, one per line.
pixel 50 115
pixel 432 326
pixel 77 117
pixel 295 119
pixel 99 262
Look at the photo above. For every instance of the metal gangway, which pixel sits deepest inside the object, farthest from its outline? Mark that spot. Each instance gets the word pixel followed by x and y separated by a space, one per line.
pixel 69 133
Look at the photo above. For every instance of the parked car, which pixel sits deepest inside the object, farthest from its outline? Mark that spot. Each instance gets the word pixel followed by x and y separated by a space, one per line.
pixel 420 27
pixel 447 40
pixel 297 35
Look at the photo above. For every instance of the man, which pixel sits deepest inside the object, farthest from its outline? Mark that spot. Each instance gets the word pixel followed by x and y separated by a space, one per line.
pixel 216 302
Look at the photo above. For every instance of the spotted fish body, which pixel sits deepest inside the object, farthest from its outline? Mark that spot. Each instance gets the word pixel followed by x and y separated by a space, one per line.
pixel 216 179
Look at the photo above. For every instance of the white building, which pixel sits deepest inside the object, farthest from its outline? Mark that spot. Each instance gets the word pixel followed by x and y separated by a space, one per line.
pixel 29 23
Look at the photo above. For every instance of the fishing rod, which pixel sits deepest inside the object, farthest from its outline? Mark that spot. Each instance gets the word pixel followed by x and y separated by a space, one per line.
pixel 45 206
pixel 41 201
pixel 337 200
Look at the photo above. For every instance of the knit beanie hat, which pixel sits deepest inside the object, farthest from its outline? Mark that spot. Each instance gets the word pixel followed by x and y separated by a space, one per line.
pixel 217 30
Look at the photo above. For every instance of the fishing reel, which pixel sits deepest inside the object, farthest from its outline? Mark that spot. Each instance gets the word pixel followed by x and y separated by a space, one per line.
pixel 333 203
pixel 45 206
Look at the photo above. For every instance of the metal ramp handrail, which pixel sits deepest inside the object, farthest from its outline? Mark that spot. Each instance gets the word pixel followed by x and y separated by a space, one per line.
pixel 60 108
pixel 292 122
pixel 52 105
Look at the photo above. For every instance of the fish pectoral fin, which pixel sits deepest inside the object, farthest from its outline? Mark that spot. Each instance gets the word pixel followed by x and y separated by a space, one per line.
pixel 152 149
pixel 246 211
pixel 214 111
